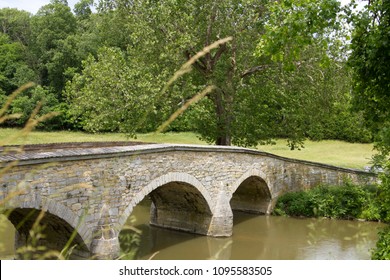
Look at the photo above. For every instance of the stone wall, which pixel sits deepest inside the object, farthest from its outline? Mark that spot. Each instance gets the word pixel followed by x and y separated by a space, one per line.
pixel 193 188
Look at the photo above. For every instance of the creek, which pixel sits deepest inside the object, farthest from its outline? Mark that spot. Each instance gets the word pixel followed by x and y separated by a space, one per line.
pixel 260 237
pixel 254 237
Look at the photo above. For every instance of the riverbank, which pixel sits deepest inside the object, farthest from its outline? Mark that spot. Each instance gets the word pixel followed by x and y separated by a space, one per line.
pixel 339 153
pixel 347 202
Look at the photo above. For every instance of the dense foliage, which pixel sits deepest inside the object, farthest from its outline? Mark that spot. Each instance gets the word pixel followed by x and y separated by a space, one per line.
pixel 104 69
pixel 371 87
pixel 340 202
pixel 371 70
pixel 382 252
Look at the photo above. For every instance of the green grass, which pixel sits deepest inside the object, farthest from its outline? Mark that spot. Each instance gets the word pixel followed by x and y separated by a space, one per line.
pixel 171 137
pixel 41 137
pixel 339 153
pixel 351 155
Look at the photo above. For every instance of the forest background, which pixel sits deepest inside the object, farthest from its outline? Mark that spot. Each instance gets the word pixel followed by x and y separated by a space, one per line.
pixel 103 66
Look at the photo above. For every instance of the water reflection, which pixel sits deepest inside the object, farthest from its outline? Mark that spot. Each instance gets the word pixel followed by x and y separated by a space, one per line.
pixel 254 237
pixel 7 234
pixel 262 237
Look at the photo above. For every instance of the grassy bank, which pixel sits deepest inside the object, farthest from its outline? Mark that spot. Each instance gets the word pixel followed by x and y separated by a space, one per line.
pixel 343 202
pixel 339 153
pixel 351 155
pixel 41 137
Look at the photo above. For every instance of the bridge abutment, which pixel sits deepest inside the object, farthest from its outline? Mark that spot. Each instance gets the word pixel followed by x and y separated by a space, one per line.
pixel 218 225
pixel 105 248
pixel 222 221
pixel 180 220
pixel 105 242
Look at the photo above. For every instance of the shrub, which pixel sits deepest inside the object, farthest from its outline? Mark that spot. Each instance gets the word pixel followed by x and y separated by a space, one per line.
pixel 294 204
pixel 382 249
pixel 341 202
pixel 384 197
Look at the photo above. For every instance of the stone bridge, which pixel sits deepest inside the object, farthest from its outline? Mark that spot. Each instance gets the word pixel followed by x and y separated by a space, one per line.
pixel 89 193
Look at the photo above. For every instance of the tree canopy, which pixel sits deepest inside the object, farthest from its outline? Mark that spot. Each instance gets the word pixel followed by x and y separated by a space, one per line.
pixel 371 95
pixel 370 63
pixel 282 74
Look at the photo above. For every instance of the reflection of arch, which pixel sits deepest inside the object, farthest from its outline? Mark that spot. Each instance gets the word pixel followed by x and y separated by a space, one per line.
pixel 251 193
pixel 60 221
pixel 180 201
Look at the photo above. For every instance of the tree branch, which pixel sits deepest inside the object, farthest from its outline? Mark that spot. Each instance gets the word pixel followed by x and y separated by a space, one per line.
pixel 259 68
pixel 213 16
pixel 199 64
pixel 256 69
pixel 217 55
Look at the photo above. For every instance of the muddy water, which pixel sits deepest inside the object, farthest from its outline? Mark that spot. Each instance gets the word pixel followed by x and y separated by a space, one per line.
pixel 7 233
pixel 261 237
pixel 254 237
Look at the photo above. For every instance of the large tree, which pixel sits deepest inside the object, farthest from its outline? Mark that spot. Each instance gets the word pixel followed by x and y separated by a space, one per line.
pixel 51 27
pixel 255 97
pixel 15 36
pixel 105 95
pixel 16 24
pixel 370 63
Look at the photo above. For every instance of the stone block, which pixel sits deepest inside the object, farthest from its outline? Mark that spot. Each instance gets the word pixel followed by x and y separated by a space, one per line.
pixel 76 207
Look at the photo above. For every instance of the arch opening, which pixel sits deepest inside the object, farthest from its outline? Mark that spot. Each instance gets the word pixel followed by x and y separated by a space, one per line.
pixel 252 196
pixel 175 205
pixel 180 206
pixel 50 236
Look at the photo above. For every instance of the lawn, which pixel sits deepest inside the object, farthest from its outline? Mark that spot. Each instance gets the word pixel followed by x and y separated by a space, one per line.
pixel 339 153
pixel 352 155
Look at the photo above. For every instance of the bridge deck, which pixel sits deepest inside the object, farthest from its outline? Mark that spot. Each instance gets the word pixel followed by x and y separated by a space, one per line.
pixel 67 145
pixel 35 154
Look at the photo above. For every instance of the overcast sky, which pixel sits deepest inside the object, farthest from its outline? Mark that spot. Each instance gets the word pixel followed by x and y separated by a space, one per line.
pixel 30 5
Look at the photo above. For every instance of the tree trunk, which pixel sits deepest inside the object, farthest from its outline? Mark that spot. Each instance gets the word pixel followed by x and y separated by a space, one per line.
pixel 223 140
pixel 224 103
pixel 223 119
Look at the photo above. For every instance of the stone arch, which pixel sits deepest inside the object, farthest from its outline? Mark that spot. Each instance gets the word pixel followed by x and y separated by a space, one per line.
pixel 60 222
pixel 251 193
pixel 179 201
